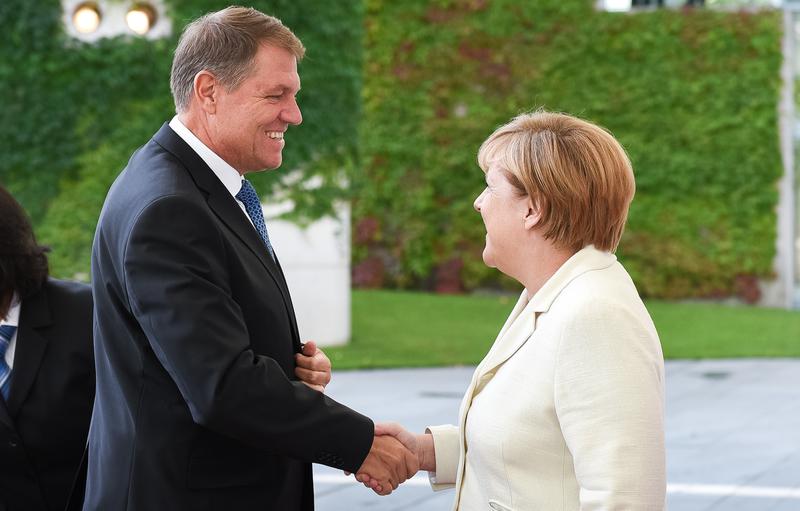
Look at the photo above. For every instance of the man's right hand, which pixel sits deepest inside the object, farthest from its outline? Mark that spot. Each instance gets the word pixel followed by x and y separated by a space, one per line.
pixel 388 464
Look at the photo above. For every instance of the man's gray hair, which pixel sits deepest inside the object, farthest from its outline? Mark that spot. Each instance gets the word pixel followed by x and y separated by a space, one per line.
pixel 224 43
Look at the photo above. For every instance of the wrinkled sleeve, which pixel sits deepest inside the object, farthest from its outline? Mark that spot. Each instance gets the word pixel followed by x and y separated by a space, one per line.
pixel 446 446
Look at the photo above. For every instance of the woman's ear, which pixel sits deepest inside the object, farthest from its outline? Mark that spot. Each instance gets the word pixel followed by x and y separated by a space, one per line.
pixel 533 215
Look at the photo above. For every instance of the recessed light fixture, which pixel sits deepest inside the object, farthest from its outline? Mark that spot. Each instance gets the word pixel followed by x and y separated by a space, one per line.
pixel 86 18
pixel 141 18
pixel 93 20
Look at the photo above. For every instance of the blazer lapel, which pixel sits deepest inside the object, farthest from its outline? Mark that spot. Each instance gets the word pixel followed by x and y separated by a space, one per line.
pixel 516 335
pixel 518 329
pixel 521 325
pixel 31 346
pixel 224 206
pixel 511 337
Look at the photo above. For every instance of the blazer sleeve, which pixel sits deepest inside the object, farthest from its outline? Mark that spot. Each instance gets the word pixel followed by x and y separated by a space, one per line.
pixel 446 446
pixel 609 397
pixel 179 290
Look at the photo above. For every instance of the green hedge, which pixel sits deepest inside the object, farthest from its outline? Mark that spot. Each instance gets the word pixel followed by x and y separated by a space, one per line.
pixel 691 94
pixel 75 111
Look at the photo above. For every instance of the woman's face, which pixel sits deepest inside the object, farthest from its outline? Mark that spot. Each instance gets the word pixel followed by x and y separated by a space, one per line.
pixel 504 214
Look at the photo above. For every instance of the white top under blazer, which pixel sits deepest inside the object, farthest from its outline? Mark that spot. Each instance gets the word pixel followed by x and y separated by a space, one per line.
pixel 566 411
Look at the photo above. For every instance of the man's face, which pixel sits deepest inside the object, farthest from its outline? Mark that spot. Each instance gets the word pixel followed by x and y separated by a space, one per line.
pixel 248 125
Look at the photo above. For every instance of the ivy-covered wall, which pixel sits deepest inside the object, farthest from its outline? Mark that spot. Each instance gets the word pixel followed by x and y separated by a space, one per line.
pixel 74 112
pixel 692 95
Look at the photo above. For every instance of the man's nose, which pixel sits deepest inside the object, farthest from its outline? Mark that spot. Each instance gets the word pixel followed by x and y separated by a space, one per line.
pixel 292 115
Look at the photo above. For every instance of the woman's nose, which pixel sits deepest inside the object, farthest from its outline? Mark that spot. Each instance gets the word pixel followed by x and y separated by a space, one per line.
pixel 478 200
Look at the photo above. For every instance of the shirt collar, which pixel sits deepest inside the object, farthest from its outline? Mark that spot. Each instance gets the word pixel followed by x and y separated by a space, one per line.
pixel 230 178
pixel 12 318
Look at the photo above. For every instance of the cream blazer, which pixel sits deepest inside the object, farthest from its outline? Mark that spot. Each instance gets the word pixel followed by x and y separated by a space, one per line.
pixel 566 411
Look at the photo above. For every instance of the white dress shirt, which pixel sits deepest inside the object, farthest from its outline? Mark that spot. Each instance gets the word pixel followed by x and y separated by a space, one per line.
pixel 228 175
pixel 12 319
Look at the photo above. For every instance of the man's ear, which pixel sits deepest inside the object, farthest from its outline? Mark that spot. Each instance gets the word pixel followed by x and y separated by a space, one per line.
pixel 206 90
pixel 533 215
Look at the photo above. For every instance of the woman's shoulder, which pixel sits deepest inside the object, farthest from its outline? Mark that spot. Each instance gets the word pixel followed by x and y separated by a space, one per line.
pixel 605 289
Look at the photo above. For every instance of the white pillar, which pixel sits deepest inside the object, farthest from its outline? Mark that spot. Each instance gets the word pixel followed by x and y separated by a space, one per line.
pixel 316 262
pixel 782 292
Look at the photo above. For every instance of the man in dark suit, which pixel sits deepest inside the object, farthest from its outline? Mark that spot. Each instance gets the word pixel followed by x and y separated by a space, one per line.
pixel 199 405
pixel 46 371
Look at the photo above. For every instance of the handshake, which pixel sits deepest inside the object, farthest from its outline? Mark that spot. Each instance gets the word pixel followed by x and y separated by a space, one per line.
pixel 396 455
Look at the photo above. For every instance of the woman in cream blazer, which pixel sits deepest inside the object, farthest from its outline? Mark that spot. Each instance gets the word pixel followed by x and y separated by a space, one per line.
pixel 566 409
pixel 565 412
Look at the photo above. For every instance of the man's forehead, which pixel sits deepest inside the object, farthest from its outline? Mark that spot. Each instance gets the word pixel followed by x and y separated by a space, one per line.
pixel 276 67
pixel 275 81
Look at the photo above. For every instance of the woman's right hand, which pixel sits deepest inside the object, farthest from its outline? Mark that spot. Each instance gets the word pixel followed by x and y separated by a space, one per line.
pixel 422 445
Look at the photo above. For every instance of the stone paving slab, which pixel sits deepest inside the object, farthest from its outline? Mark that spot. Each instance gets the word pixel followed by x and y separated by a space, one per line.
pixel 732 431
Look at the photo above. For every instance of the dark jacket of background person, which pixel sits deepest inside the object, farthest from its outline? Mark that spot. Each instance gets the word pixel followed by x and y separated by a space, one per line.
pixel 44 424
pixel 45 420
pixel 196 336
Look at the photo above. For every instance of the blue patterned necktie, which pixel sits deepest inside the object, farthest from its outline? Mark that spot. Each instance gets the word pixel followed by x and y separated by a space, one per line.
pixel 252 205
pixel 6 333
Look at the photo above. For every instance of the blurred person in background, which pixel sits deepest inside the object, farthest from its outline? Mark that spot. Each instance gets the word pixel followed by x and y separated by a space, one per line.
pixel 46 371
pixel 566 411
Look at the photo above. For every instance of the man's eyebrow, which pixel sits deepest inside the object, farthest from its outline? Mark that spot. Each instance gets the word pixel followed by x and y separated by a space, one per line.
pixel 277 88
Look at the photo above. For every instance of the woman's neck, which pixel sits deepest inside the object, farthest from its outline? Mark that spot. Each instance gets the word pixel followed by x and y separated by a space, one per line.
pixel 541 265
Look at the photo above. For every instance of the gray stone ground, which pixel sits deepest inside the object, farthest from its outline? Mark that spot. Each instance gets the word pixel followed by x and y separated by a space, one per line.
pixel 732 429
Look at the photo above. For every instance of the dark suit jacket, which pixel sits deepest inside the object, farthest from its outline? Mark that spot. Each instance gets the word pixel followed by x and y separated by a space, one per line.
pixel 197 405
pixel 43 425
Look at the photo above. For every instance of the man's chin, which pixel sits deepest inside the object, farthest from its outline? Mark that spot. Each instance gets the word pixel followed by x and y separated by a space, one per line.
pixel 268 167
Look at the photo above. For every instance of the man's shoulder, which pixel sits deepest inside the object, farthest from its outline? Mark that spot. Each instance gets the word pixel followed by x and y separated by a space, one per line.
pixel 154 169
pixel 153 174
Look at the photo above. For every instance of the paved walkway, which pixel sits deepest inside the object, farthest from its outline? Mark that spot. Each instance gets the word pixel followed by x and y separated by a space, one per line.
pixel 733 434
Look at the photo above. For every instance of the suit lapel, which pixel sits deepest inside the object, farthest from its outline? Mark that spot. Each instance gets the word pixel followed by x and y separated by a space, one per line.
pixel 288 296
pixel 5 417
pixel 224 206
pixel 31 346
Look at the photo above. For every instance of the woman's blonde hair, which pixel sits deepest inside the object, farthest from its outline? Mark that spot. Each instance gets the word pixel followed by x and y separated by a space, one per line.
pixel 575 172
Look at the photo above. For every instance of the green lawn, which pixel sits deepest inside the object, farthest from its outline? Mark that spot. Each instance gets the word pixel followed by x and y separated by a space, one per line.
pixel 404 329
